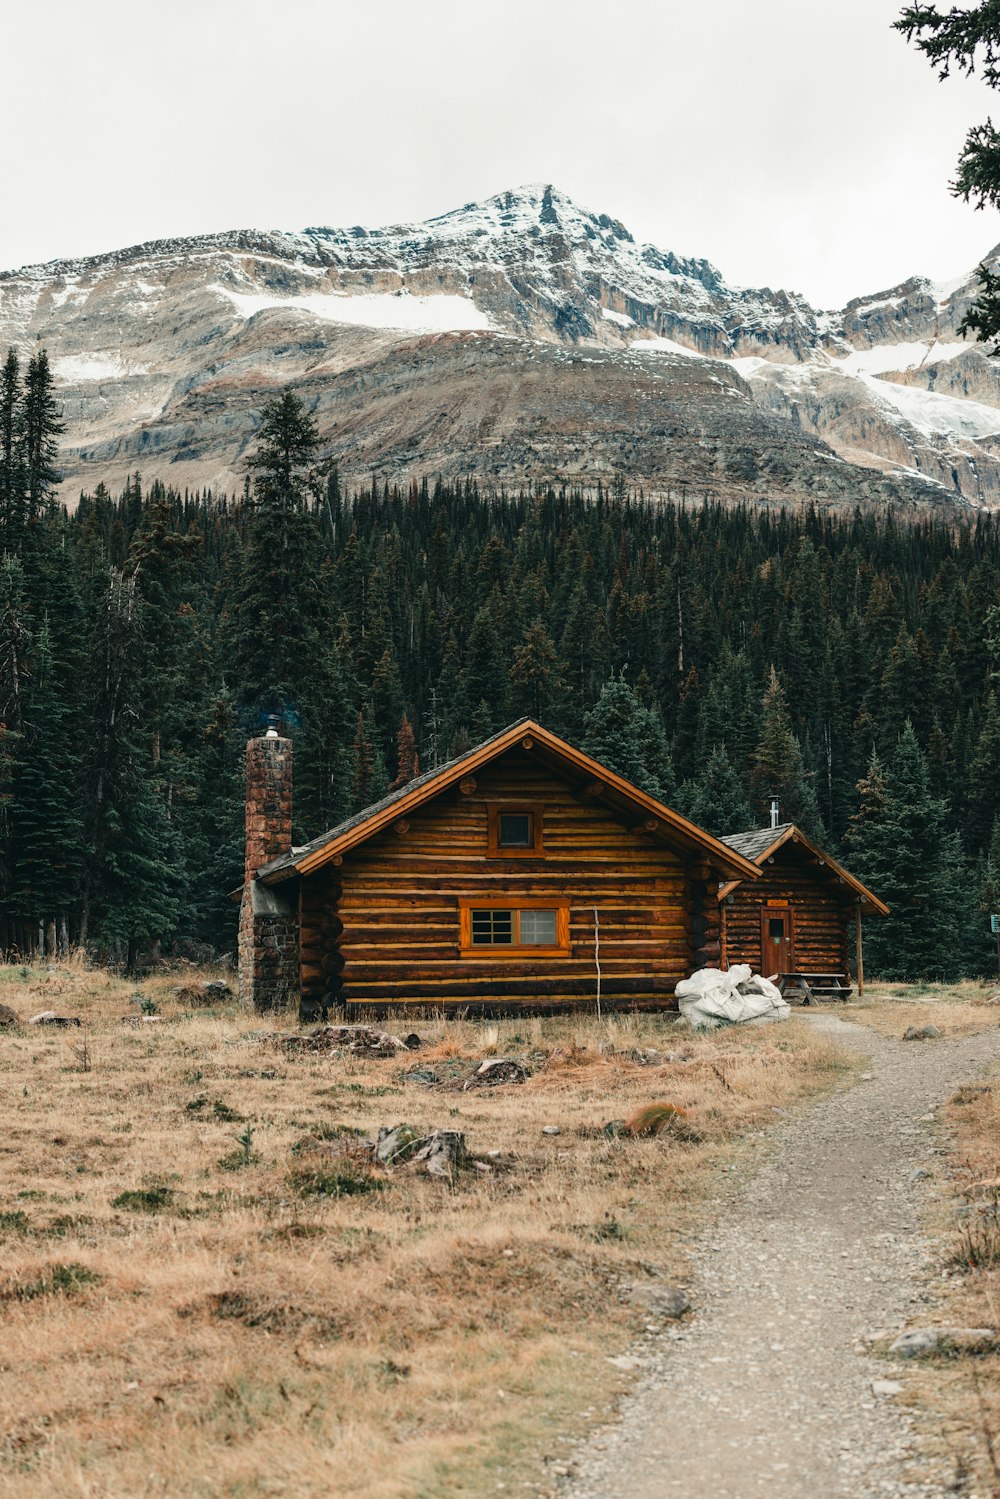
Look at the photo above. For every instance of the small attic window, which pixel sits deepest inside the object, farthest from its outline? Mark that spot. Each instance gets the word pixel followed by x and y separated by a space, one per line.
pixel 515 832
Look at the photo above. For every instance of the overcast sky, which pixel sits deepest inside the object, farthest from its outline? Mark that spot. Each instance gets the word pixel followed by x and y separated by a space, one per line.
pixel 795 143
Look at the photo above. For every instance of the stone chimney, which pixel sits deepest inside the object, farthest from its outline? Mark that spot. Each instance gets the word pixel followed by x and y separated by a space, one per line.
pixel 269 937
pixel 269 800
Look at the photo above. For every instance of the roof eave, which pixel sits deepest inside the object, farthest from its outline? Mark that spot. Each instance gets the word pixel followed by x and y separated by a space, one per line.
pixel 794 834
pixel 308 863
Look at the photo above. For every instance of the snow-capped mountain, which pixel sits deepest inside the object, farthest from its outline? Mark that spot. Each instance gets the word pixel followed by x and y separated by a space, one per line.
pixel 523 339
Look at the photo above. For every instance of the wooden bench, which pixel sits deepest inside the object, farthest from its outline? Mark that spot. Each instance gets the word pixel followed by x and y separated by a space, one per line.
pixel 814 988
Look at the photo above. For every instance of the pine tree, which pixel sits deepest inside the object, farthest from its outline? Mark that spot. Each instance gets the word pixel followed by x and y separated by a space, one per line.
pixel 41 429
pixel 130 880
pixel 370 782
pixel 900 847
pixel 407 759
pixel 778 771
pixel 962 38
pixel 983 789
pixel 716 800
pixel 536 679
pixel 13 506
pixel 287 443
pixel 629 739
pixel 46 811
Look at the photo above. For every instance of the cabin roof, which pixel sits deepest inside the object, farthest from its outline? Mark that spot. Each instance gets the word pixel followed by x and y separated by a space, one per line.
pixel 668 826
pixel 760 844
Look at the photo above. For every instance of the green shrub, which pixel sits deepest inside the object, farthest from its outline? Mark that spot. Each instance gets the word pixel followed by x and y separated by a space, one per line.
pixel 144 1199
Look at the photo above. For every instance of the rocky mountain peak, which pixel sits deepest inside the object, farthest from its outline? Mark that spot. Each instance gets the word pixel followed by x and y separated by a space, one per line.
pixel 583 352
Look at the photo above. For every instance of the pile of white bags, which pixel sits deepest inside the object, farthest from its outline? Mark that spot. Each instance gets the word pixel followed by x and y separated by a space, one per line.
pixel 710 998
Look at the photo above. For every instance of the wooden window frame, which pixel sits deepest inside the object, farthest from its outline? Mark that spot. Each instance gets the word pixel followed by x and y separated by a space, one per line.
pixel 496 850
pixel 514 903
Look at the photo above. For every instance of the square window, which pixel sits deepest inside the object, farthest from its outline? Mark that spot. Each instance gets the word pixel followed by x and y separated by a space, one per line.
pixel 515 830
pixel 492 928
pixel 538 928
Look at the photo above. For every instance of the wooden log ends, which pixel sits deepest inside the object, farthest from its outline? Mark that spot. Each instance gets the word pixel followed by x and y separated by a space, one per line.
pixel 527 742
pixel 651 824
pixel 402 826
pixel 467 785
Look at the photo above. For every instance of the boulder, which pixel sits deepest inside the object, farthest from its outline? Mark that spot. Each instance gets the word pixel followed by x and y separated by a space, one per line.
pixel 49 1017
pixel 442 1153
pixel 425 1076
pixel 926 1340
pixel 921 1033
pixel 7 1016
pixel 660 1301
pixel 396 1143
pixel 209 992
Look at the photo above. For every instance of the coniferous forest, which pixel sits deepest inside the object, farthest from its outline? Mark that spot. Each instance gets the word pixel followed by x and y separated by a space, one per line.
pixel 848 665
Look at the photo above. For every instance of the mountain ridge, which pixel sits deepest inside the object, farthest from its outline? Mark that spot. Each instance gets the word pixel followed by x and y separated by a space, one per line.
pixel 165 351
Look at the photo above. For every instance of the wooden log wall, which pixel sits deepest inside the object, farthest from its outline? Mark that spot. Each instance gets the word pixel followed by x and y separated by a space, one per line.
pixel 399 898
pixel 822 910
pixel 320 958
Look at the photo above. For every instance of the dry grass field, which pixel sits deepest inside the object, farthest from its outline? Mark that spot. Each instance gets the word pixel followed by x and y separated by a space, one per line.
pixel 207 1289
pixel 964 1393
pixel 956 1009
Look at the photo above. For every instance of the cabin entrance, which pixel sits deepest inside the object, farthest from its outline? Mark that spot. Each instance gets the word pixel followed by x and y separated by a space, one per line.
pixel 777 940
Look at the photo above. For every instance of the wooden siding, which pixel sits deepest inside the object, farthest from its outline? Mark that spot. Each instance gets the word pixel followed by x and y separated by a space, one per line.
pixel 395 930
pixel 821 910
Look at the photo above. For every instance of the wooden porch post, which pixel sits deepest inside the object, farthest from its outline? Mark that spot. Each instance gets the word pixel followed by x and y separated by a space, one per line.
pixel 861 959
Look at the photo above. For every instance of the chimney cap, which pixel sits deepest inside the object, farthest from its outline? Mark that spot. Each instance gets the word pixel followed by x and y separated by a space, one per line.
pixel 775 812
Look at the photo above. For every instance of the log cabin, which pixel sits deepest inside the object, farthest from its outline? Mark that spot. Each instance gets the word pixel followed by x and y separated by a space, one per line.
pixel 801 922
pixel 523 875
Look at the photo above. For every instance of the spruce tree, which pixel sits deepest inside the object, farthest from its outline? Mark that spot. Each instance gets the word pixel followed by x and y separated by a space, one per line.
pixel 41 429
pixel 899 846
pixel 13 504
pixel 46 811
pixel 407 759
pixel 130 885
pixel 716 799
pixel 629 739
pixel 778 770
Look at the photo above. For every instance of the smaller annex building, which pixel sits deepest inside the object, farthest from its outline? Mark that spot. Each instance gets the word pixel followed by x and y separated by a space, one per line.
pixel 523 874
pixel 801 922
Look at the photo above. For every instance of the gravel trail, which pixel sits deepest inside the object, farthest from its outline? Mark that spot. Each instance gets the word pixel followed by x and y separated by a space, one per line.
pixel 767 1389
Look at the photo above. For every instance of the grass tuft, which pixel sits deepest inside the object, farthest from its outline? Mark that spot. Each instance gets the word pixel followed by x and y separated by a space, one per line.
pixel 144 1199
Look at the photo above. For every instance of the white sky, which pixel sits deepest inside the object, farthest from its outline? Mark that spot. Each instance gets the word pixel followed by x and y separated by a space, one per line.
pixel 795 143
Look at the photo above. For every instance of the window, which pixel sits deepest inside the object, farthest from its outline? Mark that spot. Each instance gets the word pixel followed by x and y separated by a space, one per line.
pixel 492 928
pixel 531 928
pixel 514 832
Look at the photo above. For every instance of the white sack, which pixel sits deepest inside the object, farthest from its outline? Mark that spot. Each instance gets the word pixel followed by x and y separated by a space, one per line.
pixel 710 998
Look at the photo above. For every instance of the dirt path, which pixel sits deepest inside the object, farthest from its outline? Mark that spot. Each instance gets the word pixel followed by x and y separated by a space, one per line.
pixel 768 1389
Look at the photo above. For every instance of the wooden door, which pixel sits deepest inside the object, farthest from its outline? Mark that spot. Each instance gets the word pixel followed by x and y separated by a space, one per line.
pixel 777 940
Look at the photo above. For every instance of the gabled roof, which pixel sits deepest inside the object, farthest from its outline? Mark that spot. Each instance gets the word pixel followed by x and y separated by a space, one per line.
pixel 659 821
pixel 760 844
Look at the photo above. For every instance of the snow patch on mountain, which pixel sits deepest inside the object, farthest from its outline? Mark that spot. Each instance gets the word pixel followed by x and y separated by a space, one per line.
pixel 884 358
pixel 399 310
pixel 668 346
pixel 85 367
pixel 933 414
